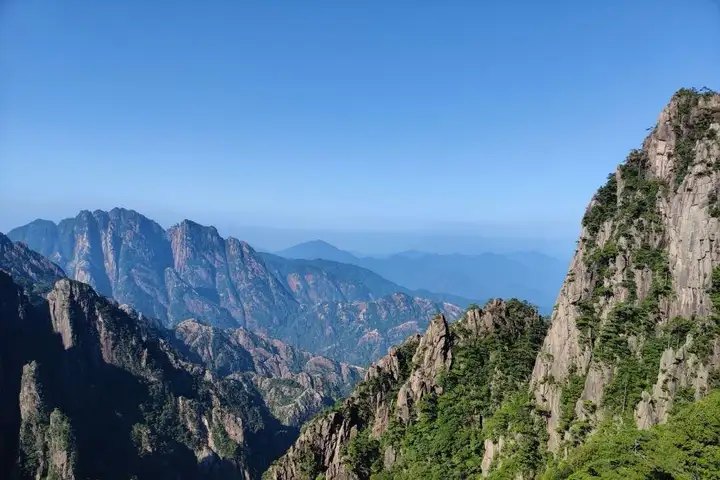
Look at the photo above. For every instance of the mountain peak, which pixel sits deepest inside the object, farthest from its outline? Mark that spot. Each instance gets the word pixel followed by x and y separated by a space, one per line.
pixel 318 249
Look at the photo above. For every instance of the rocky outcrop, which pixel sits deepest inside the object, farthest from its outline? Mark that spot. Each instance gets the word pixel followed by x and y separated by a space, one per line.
pixel 294 383
pixel 432 357
pixel 190 271
pixel 388 400
pixel 92 390
pixel 646 256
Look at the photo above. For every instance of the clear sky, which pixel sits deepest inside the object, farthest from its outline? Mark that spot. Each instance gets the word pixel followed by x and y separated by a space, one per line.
pixel 336 115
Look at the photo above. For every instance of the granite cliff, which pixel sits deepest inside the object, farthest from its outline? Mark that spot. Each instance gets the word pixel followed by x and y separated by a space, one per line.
pixel 190 271
pixel 90 390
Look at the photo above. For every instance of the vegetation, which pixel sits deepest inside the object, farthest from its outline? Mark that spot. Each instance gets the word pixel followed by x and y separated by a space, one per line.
pixel 687 447
pixel 691 125
pixel 484 395
pixel 604 207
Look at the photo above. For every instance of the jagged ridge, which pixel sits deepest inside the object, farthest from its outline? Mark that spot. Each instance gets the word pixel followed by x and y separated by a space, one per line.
pixel 190 271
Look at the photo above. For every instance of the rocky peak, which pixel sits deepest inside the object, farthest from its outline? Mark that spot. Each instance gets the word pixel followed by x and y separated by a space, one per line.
pixel 360 436
pixel 646 256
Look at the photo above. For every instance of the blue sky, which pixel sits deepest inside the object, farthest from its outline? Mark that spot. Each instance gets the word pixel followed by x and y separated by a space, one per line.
pixel 336 115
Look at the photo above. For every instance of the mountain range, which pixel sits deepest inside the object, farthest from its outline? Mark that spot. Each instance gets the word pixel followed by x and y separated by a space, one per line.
pixel 529 275
pixel 190 271
pixel 621 381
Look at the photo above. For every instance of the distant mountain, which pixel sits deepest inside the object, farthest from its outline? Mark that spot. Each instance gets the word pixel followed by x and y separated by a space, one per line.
pixel 318 249
pixel 190 271
pixel 531 275
pixel 294 383
pixel 315 280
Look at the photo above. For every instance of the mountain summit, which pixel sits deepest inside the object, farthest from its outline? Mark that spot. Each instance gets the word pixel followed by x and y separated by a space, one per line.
pixel 315 249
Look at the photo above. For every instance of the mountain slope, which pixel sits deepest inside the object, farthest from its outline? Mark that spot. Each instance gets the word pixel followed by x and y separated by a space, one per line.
pixel 426 401
pixel 319 280
pixel 634 325
pixel 529 275
pixel 294 383
pixel 90 391
pixel 633 342
pixel 190 271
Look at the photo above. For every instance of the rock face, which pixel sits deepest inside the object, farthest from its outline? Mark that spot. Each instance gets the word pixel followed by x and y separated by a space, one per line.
pixel 295 384
pixel 362 436
pixel 190 271
pixel 640 285
pixel 91 390
pixel 26 266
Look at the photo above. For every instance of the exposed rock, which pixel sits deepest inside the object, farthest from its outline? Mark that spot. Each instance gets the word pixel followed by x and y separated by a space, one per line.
pixel 189 271
pixel 100 393
pixel 658 205
pixel 390 392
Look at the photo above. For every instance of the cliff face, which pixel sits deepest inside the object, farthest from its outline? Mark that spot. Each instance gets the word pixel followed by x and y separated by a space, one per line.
pixel 633 321
pixel 91 390
pixel 294 383
pixel 190 271
pixel 406 391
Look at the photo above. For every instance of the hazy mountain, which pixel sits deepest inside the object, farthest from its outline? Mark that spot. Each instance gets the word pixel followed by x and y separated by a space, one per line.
pixel 190 271
pixel 317 249
pixel 633 344
pixel 530 275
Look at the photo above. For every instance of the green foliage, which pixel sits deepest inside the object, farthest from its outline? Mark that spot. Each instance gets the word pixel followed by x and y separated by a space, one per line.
pixel 362 454
pixel 687 447
pixel 713 204
pixel 691 124
pixel 604 208
pixel 714 290
pixel 568 398
pixel 224 445
pixel 308 466
pixel 484 396
pixel 633 374
pixel 60 439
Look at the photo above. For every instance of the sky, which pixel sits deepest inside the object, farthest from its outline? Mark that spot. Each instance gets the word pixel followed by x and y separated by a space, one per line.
pixel 320 116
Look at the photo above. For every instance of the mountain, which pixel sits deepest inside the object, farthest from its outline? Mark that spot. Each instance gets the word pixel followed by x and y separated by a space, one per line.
pixel 435 390
pixel 92 391
pixel 625 382
pixel 317 280
pixel 87 382
pixel 357 331
pixel 26 266
pixel 318 249
pixel 190 271
pixel 530 275
pixel 293 383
